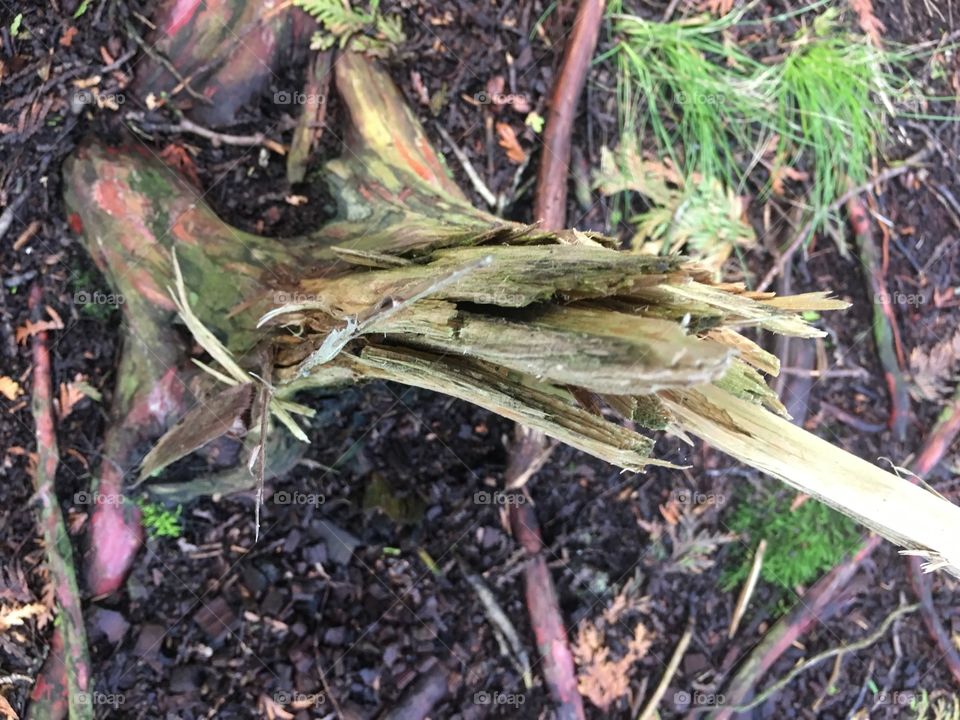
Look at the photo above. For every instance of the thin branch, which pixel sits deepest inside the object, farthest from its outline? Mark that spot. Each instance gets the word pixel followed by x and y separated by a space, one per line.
pixel 678 652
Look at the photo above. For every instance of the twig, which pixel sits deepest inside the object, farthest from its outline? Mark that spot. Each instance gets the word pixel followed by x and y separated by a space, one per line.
pixel 884 321
pixel 802 236
pixel 651 707
pixel 498 618
pixel 747 592
pixel 70 673
pixel 218 138
pixel 478 184
pixel 550 204
pixel 541 595
pixel 826 655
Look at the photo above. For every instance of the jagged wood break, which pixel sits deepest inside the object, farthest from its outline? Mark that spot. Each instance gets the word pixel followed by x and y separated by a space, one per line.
pixel 556 330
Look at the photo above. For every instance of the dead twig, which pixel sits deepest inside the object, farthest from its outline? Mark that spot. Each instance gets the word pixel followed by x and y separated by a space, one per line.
pixel 478 184
pixel 941 437
pixel 650 708
pixel 218 138
pixel 542 603
pixel 748 587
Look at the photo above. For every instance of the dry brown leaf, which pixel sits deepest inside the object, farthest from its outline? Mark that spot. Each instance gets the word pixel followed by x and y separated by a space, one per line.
pixel 717 7
pixel 70 395
pixel 66 40
pixel 177 157
pixel 869 23
pixel 933 371
pixel 11 617
pixel 10 388
pixel 29 329
pixel 508 141
pixel 7 711
pixel 785 172
pixel 603 680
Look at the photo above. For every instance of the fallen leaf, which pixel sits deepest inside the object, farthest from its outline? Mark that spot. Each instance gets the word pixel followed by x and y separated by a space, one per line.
pixel 508 141
pixel 70 395
pixel 869 23
pixel 29 329
pixel 7 711
pixel 17 616
pixel 717 7
pixel 66 39
pixel 178 158
pixel 10 388
pixel 785 172
pixel 419 88
pixel 934 371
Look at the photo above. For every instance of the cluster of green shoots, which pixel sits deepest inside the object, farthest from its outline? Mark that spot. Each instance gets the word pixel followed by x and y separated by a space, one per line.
pixel 159 521
pixel 713 107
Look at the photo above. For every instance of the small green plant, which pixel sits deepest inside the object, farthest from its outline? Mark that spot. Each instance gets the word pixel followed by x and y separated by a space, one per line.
pixel 15 25
pixel 709 105
pixel 159 520
pixel 801 543
pixel 370 32
pixel 84 6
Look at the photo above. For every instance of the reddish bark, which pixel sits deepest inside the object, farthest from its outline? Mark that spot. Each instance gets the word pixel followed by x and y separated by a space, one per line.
pixel 550 205
pixel 65 676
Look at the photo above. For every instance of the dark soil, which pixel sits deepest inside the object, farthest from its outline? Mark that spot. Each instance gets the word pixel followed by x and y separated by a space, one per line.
pixel 213 624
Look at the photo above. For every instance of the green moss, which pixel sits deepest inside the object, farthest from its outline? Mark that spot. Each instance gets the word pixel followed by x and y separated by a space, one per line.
pixel 802 544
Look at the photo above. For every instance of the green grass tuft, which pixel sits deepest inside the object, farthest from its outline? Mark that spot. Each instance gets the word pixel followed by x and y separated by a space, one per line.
pixel 710 105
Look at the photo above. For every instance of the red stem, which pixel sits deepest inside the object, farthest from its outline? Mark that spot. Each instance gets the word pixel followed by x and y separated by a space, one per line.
pixel 550 204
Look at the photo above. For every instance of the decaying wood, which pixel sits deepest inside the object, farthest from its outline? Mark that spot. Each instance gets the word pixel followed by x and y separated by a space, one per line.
pixel 581 314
